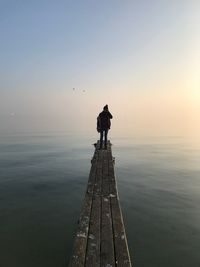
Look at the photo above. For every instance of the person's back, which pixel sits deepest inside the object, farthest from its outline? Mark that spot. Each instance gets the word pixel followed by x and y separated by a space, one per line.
pixel 105 117
pixel 103 124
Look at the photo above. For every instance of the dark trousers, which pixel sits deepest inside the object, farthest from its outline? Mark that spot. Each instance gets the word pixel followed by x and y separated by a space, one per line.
pixel 103 133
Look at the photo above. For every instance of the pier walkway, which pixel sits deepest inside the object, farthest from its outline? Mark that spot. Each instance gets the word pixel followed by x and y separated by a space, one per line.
pixel 101 239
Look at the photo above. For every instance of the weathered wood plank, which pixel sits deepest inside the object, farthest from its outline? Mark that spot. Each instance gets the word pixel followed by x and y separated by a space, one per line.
pixel 121 247
pixel 93 246
pixel 93 173
pixel 113 188
pixel 80 242
pixel 122 256
pixel 98 180
pixel 107 246
pixel 105 177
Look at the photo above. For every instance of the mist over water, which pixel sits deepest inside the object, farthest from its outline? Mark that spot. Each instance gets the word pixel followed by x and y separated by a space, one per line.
pixel 43 178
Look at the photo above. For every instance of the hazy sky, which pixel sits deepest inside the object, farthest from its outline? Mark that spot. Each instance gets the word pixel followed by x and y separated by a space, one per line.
pixel 142 58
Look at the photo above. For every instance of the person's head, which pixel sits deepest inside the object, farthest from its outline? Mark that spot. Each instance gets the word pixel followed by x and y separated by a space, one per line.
pixel 105 108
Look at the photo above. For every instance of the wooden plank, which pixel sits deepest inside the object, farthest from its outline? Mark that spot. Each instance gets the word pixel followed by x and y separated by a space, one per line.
pixel 122 256
pixel 80 242
pixel 93 245
pixel 92 175
pixel 121 247
pixel 107 246
pixel 113 188
pixel 98 179
pixel 105 177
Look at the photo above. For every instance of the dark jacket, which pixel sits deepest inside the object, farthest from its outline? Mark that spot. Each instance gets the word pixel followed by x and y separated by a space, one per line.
pixel 103 120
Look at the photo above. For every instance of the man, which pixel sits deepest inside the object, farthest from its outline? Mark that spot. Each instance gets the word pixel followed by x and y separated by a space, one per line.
pixel 103 125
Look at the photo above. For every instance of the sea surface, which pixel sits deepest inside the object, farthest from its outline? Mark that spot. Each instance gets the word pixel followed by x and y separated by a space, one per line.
pixel 43 178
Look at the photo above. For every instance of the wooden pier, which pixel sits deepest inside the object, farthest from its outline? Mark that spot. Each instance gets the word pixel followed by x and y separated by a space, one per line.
pixel 101 239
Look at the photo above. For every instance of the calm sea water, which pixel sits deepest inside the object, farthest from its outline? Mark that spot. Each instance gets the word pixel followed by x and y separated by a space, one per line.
pixel 43 178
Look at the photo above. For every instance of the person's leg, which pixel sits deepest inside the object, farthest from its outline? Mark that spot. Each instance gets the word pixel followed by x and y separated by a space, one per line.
pixel 101 139
pixel 106 133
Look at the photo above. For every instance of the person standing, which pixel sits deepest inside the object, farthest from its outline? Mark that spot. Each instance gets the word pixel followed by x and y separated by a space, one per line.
pixel 103 125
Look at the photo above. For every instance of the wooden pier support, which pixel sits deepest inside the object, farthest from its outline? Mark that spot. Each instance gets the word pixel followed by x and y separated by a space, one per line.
pixel 101 239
